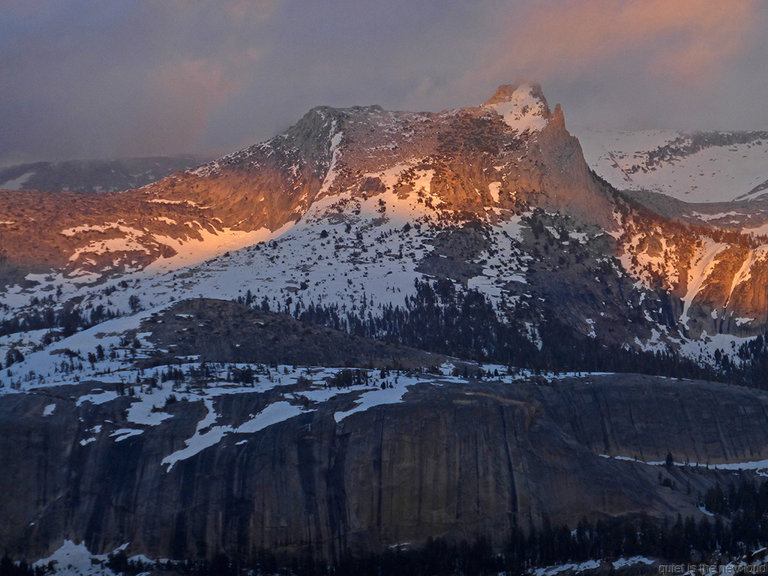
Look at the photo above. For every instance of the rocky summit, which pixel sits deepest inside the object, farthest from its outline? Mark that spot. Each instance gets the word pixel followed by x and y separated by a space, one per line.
pixel 374 330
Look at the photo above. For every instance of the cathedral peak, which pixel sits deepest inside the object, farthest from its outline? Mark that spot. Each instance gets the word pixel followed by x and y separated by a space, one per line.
pixel 522 106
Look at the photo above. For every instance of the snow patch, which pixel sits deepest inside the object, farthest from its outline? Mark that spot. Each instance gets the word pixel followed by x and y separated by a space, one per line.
pixel 580 567
pixel 494 188
pixel 99 397
pixel 211 244
pixel 272 414
pixel 378 397
pixel 330 176
pixel 123 433
pixel 75 560
pixel 624 562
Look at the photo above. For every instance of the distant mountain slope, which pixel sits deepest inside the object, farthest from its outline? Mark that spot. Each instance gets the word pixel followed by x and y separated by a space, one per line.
pixel 94 175
pixel 693 167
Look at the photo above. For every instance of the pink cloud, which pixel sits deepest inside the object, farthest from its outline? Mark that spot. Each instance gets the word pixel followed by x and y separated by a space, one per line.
pixel 242 11
pixel 688 39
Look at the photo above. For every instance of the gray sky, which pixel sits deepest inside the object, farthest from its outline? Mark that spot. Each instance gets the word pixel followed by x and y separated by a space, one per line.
pixel 104 78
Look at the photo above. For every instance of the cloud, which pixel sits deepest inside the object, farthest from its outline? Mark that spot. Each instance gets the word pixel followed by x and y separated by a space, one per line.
pixel 90 79
pixel 691 40
pixel 180 98
pixel 627 63
pixel 82 78
pixel 247 10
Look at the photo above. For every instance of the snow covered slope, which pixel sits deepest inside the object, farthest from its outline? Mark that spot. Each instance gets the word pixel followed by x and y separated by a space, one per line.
pixel 698 167
pixel 351 212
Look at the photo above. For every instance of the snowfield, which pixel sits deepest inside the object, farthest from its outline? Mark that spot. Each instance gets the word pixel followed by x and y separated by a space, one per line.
pixel 716 173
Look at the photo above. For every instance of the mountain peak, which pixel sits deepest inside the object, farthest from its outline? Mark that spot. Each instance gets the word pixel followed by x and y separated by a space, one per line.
pixel 522 106
pixel 511 92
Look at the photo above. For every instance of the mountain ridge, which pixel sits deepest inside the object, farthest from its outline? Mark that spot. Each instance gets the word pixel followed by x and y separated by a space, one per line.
pixel 375 171
pixel 375 328
pixel 267 185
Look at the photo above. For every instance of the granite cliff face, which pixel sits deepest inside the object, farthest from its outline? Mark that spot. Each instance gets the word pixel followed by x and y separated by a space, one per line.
pixel 453 459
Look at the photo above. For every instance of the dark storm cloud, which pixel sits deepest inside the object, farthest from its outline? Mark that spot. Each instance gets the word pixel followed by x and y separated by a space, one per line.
pixel 85 78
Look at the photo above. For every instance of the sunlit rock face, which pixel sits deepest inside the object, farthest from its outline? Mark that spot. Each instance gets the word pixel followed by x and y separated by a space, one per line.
pixel 715 278
pixel 510 153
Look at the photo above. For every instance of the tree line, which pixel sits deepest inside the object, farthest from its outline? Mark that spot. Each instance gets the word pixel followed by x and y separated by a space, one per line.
pixel 464 323
pixel 738 526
